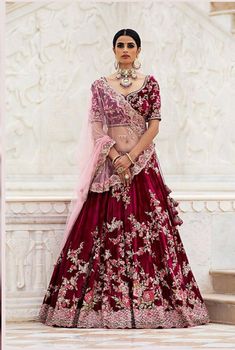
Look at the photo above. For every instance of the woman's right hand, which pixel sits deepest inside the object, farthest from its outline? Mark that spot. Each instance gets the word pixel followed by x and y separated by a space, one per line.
pixel 123 163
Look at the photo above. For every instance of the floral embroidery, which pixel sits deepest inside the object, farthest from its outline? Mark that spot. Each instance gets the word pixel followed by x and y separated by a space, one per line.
pixel 155 101
pixel 151 318
pixel 115 224
pixel 148 296
pixel 120 192
pixel 125 265
pixel 89 297
pixel 151 165
pixel 144 276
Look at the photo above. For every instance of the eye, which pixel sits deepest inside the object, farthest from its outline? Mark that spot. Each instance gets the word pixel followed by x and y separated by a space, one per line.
pixel 120 45
pixel 131 46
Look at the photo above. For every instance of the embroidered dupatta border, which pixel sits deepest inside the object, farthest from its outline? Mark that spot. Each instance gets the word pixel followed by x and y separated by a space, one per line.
pixel 135 169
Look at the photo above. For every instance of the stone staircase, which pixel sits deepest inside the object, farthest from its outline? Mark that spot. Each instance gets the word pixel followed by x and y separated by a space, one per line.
pixel 221 303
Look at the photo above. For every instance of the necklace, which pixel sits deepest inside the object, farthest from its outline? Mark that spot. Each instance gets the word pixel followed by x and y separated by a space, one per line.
pixel 124 75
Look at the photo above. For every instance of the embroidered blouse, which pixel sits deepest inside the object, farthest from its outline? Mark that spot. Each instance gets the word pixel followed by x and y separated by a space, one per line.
pixel 147 99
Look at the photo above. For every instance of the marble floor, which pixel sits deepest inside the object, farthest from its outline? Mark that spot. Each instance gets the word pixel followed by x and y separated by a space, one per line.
pixel 34 335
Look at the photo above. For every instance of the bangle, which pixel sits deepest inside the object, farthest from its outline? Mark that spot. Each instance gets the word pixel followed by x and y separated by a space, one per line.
pixel 128 155
pixel 115 158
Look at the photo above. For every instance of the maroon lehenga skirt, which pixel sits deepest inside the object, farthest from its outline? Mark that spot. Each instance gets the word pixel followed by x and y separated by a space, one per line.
pixel 124 264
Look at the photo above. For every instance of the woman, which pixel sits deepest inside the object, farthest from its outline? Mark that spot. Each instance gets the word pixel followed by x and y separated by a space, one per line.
pixel 122 263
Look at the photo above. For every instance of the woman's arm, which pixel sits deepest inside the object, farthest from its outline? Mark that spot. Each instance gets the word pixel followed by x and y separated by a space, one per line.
pixel 142 144
pixel 145 139
pixel 113 153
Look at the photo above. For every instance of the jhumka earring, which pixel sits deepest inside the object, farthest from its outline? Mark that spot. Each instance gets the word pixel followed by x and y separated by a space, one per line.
pixel 136 64
pixel 116 65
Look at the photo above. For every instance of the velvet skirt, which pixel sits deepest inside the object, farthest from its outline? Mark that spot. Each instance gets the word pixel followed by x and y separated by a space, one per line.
pixel 124 264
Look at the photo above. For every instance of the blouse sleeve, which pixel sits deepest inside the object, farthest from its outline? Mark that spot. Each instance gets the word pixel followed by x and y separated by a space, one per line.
pixel 154 101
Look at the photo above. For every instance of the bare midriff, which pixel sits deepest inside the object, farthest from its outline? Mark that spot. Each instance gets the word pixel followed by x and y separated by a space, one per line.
pixel 124 136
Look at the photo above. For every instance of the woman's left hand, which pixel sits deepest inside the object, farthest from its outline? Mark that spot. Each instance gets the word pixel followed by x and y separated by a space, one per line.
pixel 123 162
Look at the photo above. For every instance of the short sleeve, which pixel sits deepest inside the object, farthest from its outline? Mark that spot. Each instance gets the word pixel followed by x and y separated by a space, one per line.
pixel 96 110
pixel 154 101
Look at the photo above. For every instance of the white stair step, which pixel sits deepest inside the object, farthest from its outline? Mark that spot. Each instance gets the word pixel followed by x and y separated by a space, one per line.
pixel 223 281
pixel 221 307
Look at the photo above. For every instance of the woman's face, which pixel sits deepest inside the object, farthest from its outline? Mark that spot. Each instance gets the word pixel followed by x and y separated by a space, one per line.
pixel 126 50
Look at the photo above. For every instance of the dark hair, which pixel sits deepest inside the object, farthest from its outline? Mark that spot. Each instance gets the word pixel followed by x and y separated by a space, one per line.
pixel 129 32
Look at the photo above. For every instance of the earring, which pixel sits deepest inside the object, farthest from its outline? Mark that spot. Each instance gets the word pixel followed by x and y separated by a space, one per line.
pixel 116 64
pixel 136 64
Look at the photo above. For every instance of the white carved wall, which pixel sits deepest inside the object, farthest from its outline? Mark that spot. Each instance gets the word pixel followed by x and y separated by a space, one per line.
pixel 54 51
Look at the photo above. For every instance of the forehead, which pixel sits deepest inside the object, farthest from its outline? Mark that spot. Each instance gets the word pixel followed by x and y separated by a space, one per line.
pixel 125 39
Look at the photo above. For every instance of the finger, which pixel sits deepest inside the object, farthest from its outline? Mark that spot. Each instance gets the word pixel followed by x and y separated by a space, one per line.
pixel 118 162
pixel 129 180
pixel 121 178
pixel 117 165
pixel 122 162
pixel 126 180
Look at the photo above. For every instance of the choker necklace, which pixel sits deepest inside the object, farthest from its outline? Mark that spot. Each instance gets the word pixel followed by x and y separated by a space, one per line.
pixel 125 74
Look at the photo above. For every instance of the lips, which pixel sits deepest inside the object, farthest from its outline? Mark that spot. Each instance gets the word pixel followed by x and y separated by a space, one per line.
pixel 125 56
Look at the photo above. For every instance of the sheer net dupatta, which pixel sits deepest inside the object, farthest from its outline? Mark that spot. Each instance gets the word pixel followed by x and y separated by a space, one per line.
pixel 93 149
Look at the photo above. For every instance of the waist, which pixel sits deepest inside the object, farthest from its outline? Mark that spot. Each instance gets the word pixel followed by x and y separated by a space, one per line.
pixel 124 136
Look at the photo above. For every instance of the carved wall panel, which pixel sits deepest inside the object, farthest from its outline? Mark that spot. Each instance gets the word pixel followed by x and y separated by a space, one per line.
pixel 56 50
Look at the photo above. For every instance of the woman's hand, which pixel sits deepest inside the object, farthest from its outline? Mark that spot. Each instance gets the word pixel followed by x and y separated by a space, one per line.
pixel 126 177
pixel 123 163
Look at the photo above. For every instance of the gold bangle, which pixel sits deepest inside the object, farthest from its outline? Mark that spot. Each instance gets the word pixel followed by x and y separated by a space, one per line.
pixel 128 155
pixel 114 159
